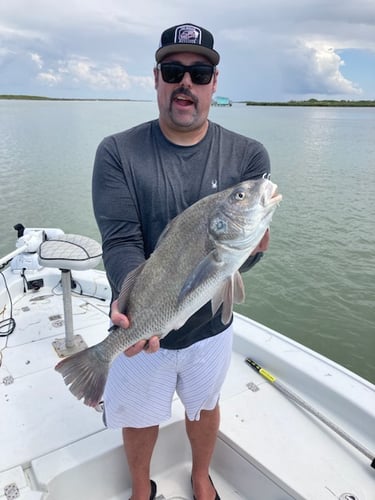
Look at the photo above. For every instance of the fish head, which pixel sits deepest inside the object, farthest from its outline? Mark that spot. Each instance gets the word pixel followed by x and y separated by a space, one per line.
pixel 243 214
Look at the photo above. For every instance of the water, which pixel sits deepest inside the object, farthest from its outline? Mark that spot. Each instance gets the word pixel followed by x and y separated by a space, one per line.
pixel 316 283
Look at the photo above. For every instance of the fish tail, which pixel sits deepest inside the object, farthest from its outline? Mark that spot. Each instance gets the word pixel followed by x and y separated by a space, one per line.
pixel 85 373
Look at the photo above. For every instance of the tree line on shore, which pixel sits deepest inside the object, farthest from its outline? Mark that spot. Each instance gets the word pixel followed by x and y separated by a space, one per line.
pixel 315 102
pixel 309 102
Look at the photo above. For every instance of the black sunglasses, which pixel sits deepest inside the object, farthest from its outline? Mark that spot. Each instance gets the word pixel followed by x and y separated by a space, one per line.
pixel 173 72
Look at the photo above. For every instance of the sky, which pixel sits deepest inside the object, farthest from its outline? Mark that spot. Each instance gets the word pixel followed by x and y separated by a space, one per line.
pixel 271 50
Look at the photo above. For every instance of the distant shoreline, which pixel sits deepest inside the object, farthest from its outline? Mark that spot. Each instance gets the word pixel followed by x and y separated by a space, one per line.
pixel 309 102
pixel 21 97
pixel 316 102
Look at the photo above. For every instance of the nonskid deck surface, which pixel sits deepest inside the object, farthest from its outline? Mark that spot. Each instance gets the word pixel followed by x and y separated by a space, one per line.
pixel 41 412
pixel 267 448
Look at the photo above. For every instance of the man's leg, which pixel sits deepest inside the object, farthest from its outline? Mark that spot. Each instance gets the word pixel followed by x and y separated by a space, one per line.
pixel 139 445
pixel 202 434
pixel 137 397
pixel 202 371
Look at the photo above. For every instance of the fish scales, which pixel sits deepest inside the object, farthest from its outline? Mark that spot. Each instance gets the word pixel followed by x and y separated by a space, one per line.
pixel 196 260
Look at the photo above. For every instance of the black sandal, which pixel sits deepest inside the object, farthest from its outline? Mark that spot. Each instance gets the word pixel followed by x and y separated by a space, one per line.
pixel 153 490
pixel 217 495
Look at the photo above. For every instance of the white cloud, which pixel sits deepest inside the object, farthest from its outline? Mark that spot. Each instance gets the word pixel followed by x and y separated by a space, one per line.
pixel 36 58
pixel 273 51
pixel 85 72
pixel 49 78
pixel 12 34
pixel 327 65
pixel 4 51
pixel 314 68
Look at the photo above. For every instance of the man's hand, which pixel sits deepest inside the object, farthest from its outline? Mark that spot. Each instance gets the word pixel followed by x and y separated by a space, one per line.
pixel 119 319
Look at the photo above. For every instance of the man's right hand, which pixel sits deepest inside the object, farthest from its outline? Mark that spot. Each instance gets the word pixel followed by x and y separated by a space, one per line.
pixel 120 319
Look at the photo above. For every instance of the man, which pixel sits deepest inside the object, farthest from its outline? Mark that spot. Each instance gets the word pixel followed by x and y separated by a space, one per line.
pixel 143 177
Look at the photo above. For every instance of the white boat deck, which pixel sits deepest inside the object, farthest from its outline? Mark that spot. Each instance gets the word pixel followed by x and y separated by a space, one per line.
pixel 53 447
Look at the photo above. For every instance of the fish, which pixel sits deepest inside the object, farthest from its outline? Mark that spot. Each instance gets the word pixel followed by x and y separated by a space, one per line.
pixel 196 261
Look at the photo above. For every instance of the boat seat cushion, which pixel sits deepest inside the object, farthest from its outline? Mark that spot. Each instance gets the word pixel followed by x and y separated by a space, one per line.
pixel 70 251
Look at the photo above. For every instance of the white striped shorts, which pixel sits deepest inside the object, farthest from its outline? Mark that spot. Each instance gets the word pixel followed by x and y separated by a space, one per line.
pixel 140 389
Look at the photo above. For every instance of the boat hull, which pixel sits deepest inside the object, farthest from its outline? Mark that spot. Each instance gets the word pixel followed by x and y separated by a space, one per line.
pixel 268 447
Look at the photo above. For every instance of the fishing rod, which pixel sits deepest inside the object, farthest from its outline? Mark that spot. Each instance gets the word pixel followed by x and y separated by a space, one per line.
pixel 301 402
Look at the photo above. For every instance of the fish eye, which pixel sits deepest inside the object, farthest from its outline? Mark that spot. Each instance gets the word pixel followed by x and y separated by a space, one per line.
pixel 240 195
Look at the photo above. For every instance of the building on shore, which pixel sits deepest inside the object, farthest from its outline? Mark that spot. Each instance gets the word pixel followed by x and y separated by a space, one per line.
pixel 221 101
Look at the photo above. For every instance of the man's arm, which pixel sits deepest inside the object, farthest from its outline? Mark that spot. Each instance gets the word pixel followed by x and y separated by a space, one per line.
pixel 116 215
pixel 118 222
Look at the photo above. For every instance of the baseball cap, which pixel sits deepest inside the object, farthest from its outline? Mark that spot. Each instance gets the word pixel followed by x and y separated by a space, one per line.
pixel 187 38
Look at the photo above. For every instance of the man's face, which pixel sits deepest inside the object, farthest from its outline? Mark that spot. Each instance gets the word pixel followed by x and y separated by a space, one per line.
pixel 184 106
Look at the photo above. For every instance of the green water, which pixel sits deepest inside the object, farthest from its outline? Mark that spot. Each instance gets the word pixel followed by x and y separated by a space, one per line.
pixel 317 282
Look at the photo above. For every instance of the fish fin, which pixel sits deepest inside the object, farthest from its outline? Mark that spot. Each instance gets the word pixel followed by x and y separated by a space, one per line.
pixel 202 272
pixel 227 310
pixel 127 287
pixel 232 291
pixel 85 373
pixel 238 288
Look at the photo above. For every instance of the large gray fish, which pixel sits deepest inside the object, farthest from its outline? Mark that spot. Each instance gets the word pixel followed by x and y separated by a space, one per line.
pixel 196 261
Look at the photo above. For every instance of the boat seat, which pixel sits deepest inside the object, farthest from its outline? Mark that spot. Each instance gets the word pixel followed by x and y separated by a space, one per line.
pixel 69 252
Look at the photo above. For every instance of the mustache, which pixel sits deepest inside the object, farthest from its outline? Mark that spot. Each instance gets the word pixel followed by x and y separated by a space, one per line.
pixel 184 91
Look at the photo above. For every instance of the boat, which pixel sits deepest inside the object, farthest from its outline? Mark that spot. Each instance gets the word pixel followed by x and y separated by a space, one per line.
pixel 294 424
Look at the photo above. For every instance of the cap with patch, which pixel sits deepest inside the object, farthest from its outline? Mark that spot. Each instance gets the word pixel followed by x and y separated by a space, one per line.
pixel 187 38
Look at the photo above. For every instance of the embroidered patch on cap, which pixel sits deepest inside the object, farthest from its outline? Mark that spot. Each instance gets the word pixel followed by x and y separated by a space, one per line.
pixel 188 34
pixel 179 38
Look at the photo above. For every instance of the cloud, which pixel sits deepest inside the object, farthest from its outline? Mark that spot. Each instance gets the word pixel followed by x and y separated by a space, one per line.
pixel 49 79
pixel 316 69
pixel 10 33
pixel 4 52
pixel 274 51
pixel 81 71
pixel 36 58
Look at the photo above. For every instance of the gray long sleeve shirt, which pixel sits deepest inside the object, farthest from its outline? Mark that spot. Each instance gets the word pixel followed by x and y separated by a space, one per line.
pixel 141 181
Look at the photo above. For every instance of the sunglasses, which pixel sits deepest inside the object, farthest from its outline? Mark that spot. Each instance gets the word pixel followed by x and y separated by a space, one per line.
pixel 200 74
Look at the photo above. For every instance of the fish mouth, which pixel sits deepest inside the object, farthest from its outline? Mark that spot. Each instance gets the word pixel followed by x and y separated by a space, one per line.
pixel 274 199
